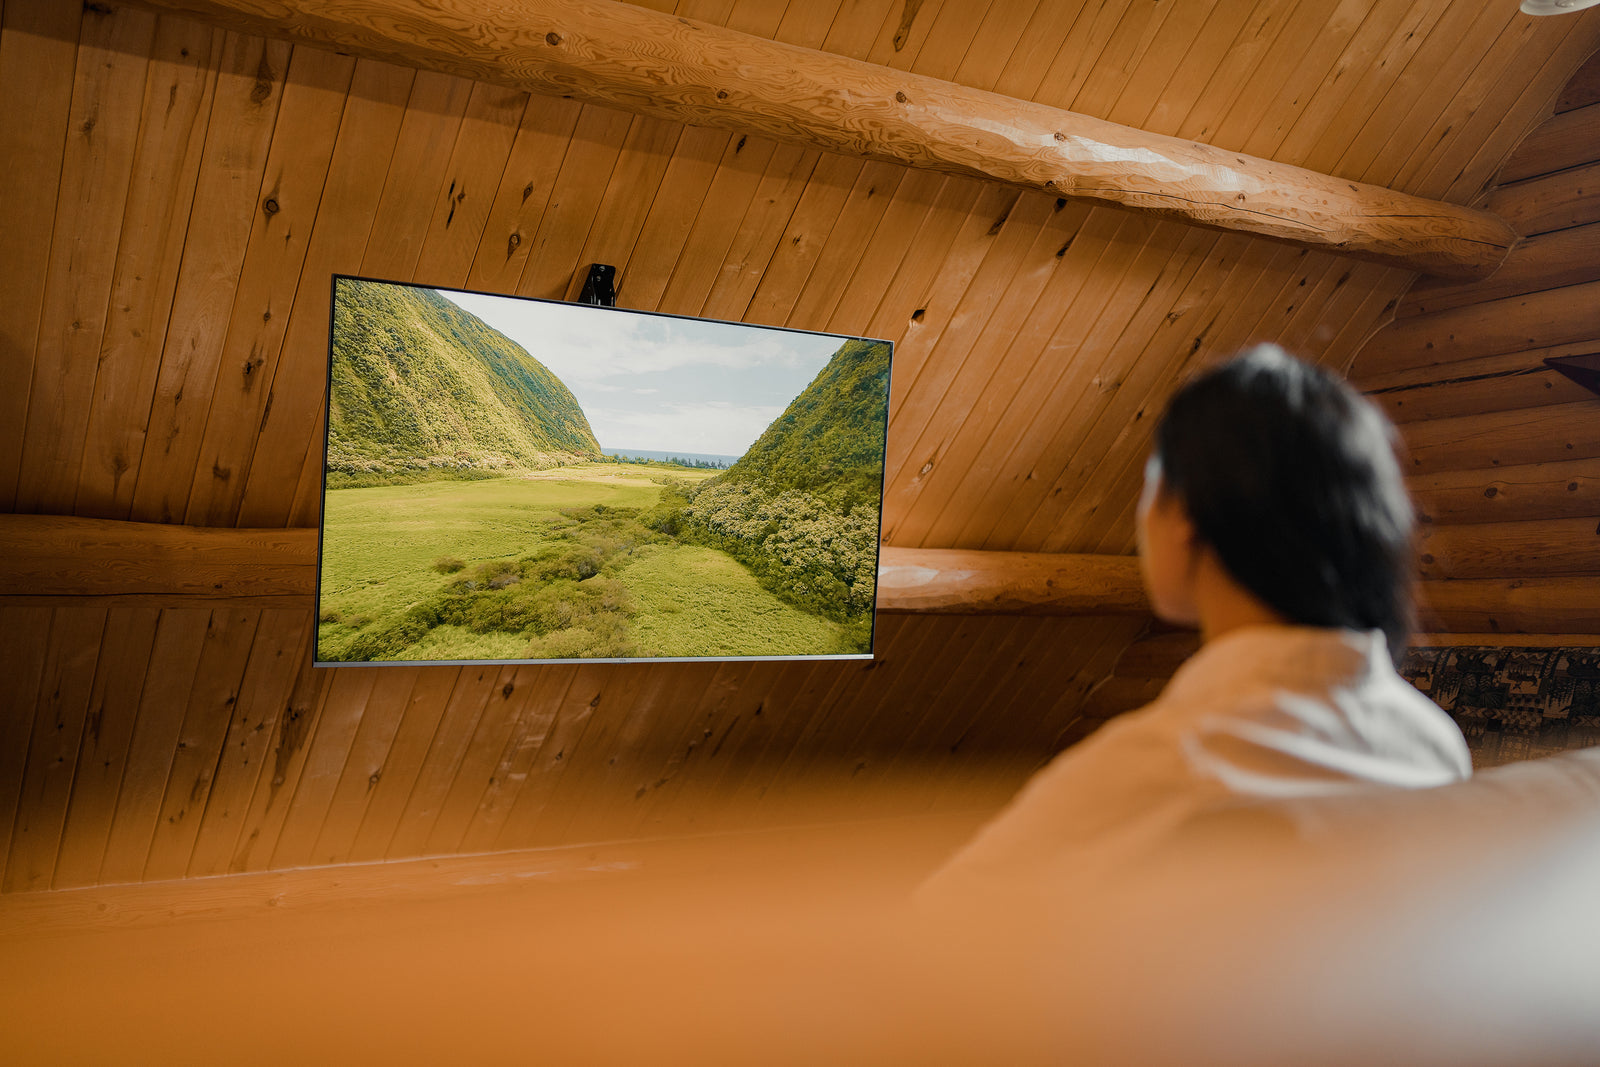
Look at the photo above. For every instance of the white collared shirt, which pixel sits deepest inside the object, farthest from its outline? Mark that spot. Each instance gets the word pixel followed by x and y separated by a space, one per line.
pixel 1260 712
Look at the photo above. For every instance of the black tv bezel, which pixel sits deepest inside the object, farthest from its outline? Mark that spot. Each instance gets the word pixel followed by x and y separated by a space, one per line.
pixel 327 400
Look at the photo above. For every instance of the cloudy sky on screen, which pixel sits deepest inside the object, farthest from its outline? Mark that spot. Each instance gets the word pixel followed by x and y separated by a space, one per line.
pixel 662 384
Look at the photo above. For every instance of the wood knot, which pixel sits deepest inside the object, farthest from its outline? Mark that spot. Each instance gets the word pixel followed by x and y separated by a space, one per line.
pixel 270 206
pixel 722 94
pixel 552 39
pixel 1060 136
pixel 1491 492
pixel 901 98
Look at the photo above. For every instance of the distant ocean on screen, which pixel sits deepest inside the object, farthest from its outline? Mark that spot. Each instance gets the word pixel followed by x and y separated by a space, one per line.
pixel 645 453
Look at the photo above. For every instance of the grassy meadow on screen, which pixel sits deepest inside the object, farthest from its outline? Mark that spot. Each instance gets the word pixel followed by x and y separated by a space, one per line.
pixel 472 513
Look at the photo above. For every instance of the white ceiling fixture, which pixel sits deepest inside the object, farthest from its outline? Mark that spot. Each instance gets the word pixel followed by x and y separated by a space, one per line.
pixel 1555 7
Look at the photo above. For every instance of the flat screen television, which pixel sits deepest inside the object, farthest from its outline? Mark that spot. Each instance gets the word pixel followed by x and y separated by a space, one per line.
pixel 513 480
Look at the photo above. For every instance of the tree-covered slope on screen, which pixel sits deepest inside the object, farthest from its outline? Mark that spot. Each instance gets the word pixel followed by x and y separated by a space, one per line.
pixel 800 508
pixel 419 384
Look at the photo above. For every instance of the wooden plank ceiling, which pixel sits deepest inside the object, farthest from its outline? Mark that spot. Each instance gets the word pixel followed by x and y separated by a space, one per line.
pixel 176 196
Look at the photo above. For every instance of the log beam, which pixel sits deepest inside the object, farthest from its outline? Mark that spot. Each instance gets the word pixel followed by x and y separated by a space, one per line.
pixel 54 559
pixel 962 582
pixel 1511 605
pixel 1510 494
pixel 1537 548
pixel 1559 432
pixel 1552 317
pixel 649 62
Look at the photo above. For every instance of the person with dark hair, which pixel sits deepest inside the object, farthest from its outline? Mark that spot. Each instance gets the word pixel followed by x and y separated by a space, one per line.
pixel 1274 519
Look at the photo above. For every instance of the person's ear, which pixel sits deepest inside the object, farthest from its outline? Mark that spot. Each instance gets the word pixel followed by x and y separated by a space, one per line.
pixel 1169 549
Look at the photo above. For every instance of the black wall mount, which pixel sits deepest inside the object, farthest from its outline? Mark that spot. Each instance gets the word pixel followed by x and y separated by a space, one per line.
pixel 1585 369
pixel 600 287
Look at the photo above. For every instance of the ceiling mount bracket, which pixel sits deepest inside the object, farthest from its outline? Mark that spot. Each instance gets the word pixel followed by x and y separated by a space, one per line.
pixel 600 287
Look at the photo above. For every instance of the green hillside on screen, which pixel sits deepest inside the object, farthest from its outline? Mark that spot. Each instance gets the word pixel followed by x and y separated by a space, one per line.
pixel 800 508
pixel 418 385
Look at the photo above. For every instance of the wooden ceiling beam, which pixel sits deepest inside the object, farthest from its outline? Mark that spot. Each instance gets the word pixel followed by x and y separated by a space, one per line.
pixel 59 559
pixel 648 62
pixel 958 581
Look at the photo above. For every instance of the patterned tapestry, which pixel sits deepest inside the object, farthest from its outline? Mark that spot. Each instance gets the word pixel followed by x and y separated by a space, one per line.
pixel 1513 703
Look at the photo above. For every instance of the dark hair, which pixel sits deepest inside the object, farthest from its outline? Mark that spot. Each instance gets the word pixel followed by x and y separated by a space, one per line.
pixel 1290 476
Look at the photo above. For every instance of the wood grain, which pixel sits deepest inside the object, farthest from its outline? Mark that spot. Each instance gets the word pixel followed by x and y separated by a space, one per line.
pixel 1483 366
pixel 1517 323
pixel 181 639
pixel 179 96
pixel 1530 548
pixel 1548 261
pixel 38 54
pixel 291 416
pixel 1554 202
pixel 936 581
pixel 391 773
pixel 704 75
pixel 349 690
pixel 280 649
pixel 1504 438
pixel 1532 385
pixel 65 688
pixel 269 804
pixel 26 632
pixel 102 757
pixel 586 169
pixel 952 580
pixel 212 700
pixel 1513 605
pixel 1567 139
pixel 1584 88
pixel 537 151
pixel 103 121
pixel 262 189
pixel 1555 490
pixel 476 171
pixel 55 555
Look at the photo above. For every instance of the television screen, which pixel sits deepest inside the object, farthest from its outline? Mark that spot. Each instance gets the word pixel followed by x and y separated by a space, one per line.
pixel 508 479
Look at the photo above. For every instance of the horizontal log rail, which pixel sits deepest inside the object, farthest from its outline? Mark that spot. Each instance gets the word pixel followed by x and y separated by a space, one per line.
pixel 955 581
pixel 62 560
pixel 1549 261
pixel 1554 202
pixel 1556 490
pixel 1557 433
pixel 1538 548
pixel 51 556
pixel 1569 315
pixel 652 63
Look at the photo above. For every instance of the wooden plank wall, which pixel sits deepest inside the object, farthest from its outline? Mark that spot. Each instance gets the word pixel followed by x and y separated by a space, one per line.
pixel 144 743
pixel 1504 451
pixel 175 198
pixel 166 328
